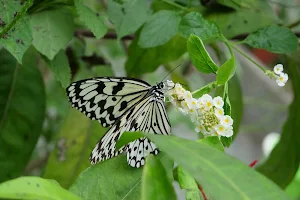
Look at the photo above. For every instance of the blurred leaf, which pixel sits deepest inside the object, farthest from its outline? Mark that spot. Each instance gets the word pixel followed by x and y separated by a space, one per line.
pixel 237 4
pixel 199 56
pixel 18 39
pixel 226 71
pixel 243 21
pixel 22 110
pixel 283 163
pixel 155 183
pixel 159 29
pixel 129 16
pixel 194 23
pixel 236 99
pixel 204 90
pixel 61 69
pixel 188 183
pixel 209 166
pixel 112 179
pixel 90 19
pixel 52 30
pixel 142 61
pixel 212 141
pixel 31 187
pixel 74 143
pixel 273 38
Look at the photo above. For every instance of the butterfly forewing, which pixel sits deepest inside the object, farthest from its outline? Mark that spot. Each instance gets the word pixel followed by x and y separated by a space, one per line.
pixel 106 99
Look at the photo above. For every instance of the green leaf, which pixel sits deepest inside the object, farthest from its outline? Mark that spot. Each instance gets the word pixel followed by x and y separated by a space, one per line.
pixel 31 187
pixel 194 23
pixel 112 179
pixel 273 38
pixel 90 19
pixel 226 71
pixel 216 171
pixel 155 182
pixel 159 29
pixel 187 182
pixel 61 69
pixel 127 137
pixel 212 141
pixel 75 141
pixel 236 99
pixel 283 163
pixel 52 30
pixel 199 56
pixel 204 90
pixel 22 110
pixel 128 16
pixel 139 59
pixel 18 38
pixel 244 20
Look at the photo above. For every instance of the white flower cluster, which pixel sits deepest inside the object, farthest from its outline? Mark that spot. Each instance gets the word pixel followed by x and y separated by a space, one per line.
pixel 206 112
pixel 281 78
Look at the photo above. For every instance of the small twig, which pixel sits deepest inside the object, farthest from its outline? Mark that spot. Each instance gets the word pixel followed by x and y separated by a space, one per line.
pixel 109 35
pixel 294 24
pixel 202 192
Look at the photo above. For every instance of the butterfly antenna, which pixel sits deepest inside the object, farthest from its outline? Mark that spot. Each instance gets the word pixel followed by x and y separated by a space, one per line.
pixel 171 72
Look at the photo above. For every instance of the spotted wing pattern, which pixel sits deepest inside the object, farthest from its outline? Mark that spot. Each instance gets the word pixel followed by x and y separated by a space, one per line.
pixel 106 98
pixel 149 115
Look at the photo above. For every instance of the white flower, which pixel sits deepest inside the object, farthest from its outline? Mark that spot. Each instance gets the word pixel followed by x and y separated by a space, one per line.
pixel 218 102
pixel 193 103
pixel 187 96
pixel 200 128
pixel 226 121
pixel 206 97
pixel 282 79
pixel 220 129
pixel 185 105
pixel 219 112
pixel 278 69
pixel 228 131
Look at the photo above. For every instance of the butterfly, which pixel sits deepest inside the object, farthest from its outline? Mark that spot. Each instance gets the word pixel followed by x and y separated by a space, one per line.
pixel 123 104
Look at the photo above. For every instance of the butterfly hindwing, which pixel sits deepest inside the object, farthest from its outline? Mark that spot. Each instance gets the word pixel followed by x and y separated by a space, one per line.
pixel 105 99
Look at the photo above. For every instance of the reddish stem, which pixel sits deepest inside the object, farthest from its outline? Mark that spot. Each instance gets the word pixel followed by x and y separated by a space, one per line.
pixel 202 192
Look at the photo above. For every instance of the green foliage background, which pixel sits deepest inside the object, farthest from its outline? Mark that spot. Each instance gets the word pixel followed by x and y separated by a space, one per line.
pixel 47 44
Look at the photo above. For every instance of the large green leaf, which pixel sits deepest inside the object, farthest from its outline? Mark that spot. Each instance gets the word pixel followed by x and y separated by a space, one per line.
pixel 216 171
pixel 18 39
pixel 284 160
pixel 242 21
pixel 199 56
pixel 52 30
pixel 155 182
pixel 74 144
pixel 61 69
pixel 112 179
pixel 22 109
pixel 159 29
pixel 194 23
pixel 128 16
pixel 90 19
pixel 31 187
pixel 273 38
pixel 142 61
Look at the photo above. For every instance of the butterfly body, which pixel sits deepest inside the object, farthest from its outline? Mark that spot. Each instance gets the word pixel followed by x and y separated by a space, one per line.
pixel 123 104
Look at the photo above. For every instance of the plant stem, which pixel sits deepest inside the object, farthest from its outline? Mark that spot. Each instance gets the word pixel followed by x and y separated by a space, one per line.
pixel 175 4
pixel 238 50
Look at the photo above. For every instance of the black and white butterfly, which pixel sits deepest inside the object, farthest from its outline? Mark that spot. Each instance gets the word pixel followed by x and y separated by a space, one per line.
pixel 123 104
